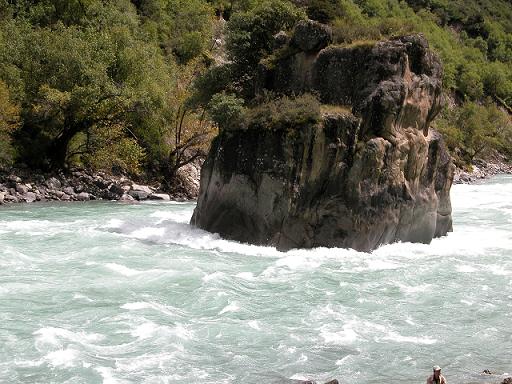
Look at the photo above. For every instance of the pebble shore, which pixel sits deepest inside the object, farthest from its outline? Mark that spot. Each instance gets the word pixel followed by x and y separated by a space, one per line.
pixel 18 186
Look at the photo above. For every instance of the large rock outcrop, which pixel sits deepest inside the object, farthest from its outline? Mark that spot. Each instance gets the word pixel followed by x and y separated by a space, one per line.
pixel 371 173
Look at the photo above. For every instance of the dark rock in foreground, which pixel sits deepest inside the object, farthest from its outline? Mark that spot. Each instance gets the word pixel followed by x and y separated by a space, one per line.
pixel 372 175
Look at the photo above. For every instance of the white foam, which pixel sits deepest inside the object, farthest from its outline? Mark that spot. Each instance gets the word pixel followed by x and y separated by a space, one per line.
pixel 343 360
pixel 123 270
pixel 182 217
pixel 344 337
pixel 107 375
pixel 498 270
pixel 409 321
pixel 300 376
pixel 231 307
pixel 393 336
pixel 465 269
pixel 140 305
pixel 408 289
pixel 114 223
pixel 379 265
pixel 183 332
pixel 213 276
pixel 148 233
pixel 55 336
pixel 246 275
pixel 145 330
pixel 63 357
pixel 254 325
pixel 294 263
pixel 79 296
pixel 149 329
pixel 136 306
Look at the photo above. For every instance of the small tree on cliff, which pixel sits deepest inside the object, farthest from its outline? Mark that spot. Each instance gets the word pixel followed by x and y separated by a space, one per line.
pixel 250 37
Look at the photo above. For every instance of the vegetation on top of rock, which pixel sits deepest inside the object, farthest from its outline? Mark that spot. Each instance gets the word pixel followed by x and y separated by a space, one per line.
pixel 284 112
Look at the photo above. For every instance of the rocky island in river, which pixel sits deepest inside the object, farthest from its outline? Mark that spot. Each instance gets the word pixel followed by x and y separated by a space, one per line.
pixel 369 172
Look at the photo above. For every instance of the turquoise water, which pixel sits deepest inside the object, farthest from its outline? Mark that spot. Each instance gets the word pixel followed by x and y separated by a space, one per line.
pixel 116 293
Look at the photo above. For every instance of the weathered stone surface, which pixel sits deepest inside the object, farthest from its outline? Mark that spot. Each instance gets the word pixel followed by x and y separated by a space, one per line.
pixel 30 197
pixel 53 183
pixel 359 179
pixel 142 188
pixel 139 195
pixel 159 196
pixel 13 179
pixel 126 198
pixel 2 196
pixel 21 189
pixel 117 189
pixel 58 193
pixel 69 191
pixel 83 196
pixel 8 198
pixel 311 36
pixel 66 197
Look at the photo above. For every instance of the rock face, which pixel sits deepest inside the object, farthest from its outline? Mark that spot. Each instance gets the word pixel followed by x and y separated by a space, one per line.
pixel 311 36
pixel 370 173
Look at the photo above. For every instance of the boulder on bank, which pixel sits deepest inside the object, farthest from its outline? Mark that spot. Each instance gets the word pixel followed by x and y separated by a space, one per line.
pixel 81 185
pixel 311 36
pixel 160 196
pixel 370 173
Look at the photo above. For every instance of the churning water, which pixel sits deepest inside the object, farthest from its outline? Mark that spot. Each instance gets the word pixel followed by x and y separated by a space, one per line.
pixel 115 293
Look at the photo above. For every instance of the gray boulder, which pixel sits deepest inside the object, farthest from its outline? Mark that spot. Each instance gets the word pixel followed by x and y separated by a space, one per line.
pixel 159 196
pixel 30 197
pixel 13 180
pixel 83 196
pixel 138 194
pixel 126 198
pixel 8 198
pixel 22 189
pixel 142 188
pixel 116 189
pixel 311 36
pixel 69 191
pixel 53 183
pixel 58 194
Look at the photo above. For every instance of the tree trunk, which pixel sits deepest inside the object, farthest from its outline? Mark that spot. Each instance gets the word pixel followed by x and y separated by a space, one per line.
pixel 59 148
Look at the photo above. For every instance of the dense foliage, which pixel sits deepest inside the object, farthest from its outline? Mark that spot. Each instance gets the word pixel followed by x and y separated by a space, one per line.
pixel 138 85
pixel 100 83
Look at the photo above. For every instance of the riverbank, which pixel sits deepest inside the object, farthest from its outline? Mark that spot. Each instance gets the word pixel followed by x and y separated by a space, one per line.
pixel 483 169
pixel 24 186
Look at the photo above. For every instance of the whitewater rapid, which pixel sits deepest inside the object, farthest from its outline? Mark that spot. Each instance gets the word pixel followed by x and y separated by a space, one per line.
pixel 105 292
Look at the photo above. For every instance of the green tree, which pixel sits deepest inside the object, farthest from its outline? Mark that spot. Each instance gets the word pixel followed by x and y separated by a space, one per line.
pixel 9 123
pixel 250 36
pixel 226 110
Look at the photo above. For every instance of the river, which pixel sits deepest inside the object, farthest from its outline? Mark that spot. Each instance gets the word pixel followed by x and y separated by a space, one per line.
pixel 106 292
